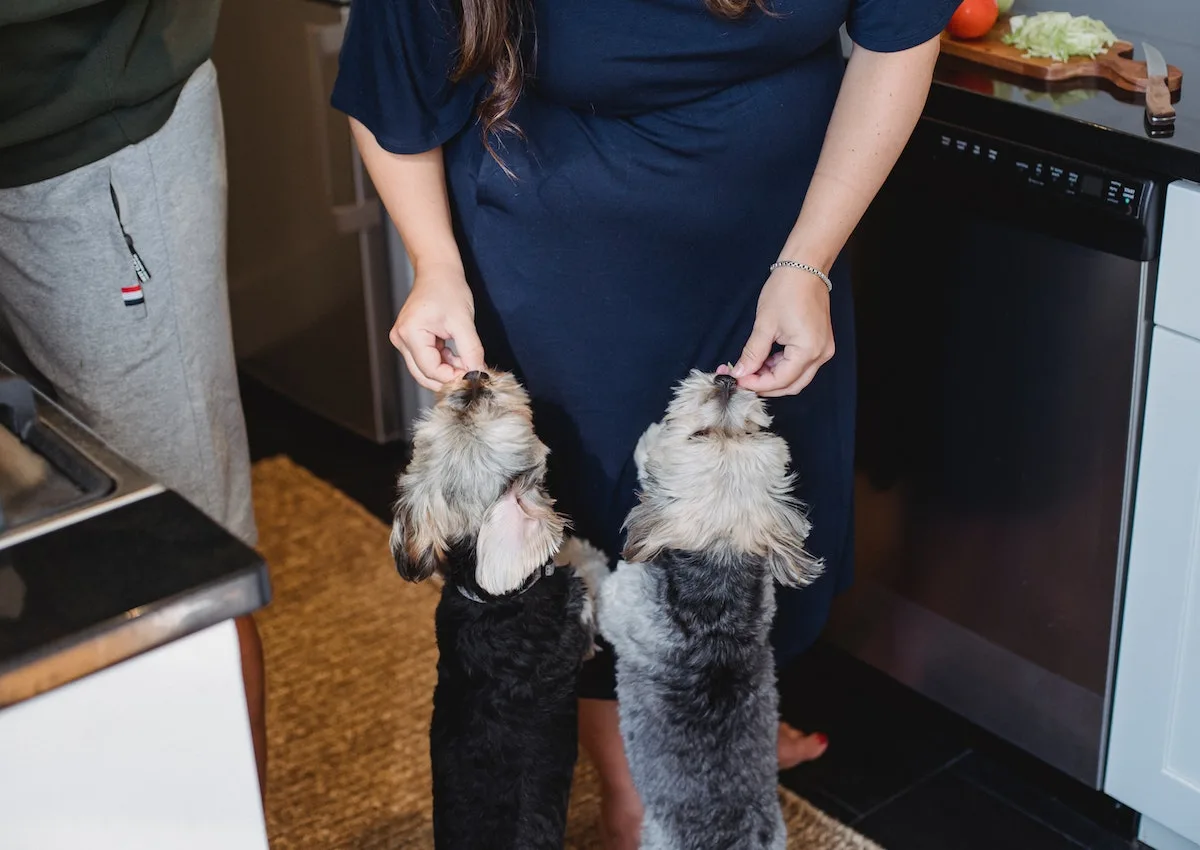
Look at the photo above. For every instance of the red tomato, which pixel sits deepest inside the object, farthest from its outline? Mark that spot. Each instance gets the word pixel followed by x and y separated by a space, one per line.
pixel 973 18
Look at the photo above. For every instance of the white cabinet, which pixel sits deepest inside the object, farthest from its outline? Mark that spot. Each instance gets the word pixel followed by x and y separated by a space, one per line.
pixel 1154 750
pixel 154 753
pixel 1177 305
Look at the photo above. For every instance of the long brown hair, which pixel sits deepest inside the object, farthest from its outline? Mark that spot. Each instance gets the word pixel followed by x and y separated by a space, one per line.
pixel 492 34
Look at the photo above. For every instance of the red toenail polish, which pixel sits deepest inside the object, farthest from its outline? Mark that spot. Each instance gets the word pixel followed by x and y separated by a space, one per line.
pixel 822 739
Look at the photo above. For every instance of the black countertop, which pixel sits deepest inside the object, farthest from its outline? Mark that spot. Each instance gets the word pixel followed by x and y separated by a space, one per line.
pixel 93 594
pixel 112 578
pixel 1095 120
pixel 99 592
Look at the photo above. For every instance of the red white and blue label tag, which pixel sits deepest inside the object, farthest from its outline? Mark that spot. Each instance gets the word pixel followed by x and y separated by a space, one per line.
pixel 133 295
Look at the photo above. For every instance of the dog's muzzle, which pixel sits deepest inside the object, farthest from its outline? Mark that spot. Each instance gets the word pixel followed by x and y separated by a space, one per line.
pixel 475 386
pixel 726 386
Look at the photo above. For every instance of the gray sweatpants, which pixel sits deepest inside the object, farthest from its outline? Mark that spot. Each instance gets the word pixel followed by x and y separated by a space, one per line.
pixel 140 349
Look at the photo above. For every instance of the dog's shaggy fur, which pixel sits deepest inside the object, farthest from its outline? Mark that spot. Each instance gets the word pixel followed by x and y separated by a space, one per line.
pixel 514 623
pixel 689 612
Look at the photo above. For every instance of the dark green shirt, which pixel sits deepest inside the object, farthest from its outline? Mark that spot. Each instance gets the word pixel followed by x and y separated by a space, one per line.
pixel 81 79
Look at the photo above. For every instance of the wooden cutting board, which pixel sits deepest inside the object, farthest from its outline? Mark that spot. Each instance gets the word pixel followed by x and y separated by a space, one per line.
pixel 1114 65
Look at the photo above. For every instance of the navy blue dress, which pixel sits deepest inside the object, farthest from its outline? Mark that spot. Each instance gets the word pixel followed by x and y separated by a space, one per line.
pixel 666 155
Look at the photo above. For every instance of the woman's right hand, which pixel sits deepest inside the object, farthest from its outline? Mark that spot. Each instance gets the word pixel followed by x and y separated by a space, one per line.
pixel 440 308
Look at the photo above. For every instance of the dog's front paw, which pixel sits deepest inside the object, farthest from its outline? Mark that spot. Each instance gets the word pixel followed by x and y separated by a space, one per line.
pixel 593 649
pixel 588 620
pixel 587 562
pixel 590 567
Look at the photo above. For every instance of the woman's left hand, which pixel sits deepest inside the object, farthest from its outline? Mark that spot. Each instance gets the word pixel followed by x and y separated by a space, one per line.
pixel 793 310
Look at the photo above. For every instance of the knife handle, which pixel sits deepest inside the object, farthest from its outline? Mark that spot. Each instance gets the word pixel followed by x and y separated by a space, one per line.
pixel 1159 111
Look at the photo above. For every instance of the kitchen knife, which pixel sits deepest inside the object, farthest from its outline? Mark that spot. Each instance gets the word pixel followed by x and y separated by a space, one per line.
pixel 1159 113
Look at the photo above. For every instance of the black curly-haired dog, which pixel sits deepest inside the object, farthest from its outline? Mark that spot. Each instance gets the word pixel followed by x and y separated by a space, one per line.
pixel 514 623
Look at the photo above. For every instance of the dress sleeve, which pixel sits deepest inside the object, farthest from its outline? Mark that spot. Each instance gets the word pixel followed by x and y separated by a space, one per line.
pixel 394 74
pixel 887 26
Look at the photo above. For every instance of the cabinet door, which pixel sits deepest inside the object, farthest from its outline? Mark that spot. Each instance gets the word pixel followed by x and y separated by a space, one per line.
pixel 1177 305
pixel 1154 751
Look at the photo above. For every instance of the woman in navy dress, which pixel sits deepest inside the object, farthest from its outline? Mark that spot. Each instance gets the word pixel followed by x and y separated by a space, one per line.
pixel 593 193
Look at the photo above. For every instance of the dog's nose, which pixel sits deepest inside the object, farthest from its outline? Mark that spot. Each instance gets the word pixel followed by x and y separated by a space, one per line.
pixel 474 387
pixel 726 384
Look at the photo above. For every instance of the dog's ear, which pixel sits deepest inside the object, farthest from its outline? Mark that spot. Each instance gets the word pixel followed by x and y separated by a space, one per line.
pixel 790 563
pixel 417 552
pixel 643 526
pixel 520 533
pixel 643 449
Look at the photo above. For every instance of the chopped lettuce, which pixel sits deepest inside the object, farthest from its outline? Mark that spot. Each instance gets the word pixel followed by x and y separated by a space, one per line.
pixel 1058 35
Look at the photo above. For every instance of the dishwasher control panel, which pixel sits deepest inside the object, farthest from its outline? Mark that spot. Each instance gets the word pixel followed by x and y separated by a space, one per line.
pixel 991 160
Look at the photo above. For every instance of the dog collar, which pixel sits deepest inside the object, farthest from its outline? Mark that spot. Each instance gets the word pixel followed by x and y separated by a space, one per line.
pixel 542 572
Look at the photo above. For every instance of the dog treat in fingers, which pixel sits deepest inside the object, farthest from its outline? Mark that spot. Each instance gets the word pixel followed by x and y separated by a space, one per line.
pixel 689 613
pixel 515 620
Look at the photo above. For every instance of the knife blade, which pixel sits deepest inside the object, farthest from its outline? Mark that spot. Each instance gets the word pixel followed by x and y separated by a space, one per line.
pixel 1160 114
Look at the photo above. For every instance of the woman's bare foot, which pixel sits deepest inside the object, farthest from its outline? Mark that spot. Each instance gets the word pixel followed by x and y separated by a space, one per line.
pixel 796 748
pixel 620 806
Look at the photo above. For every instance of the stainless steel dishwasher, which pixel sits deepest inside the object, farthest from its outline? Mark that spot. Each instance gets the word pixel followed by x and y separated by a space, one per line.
pixel 1003 296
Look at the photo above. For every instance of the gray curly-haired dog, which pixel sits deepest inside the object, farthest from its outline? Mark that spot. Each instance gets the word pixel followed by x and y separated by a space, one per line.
pixel 689 610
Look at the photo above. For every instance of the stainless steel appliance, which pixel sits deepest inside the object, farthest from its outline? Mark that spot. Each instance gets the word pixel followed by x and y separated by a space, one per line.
pixel 78 475
pixel 1003 303
pixel 317 273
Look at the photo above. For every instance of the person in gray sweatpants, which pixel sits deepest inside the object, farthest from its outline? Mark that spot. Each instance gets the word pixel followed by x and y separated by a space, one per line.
pixel 112 244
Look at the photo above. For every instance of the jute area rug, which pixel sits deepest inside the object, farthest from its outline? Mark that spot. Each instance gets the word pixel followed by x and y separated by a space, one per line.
pixel 350 661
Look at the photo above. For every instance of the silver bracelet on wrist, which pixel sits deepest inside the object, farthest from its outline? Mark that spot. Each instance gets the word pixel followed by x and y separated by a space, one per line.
pixel 804 267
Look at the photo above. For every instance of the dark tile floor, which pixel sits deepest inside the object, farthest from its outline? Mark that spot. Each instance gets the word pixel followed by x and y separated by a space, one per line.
pixel 899 769
pixel 912 776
